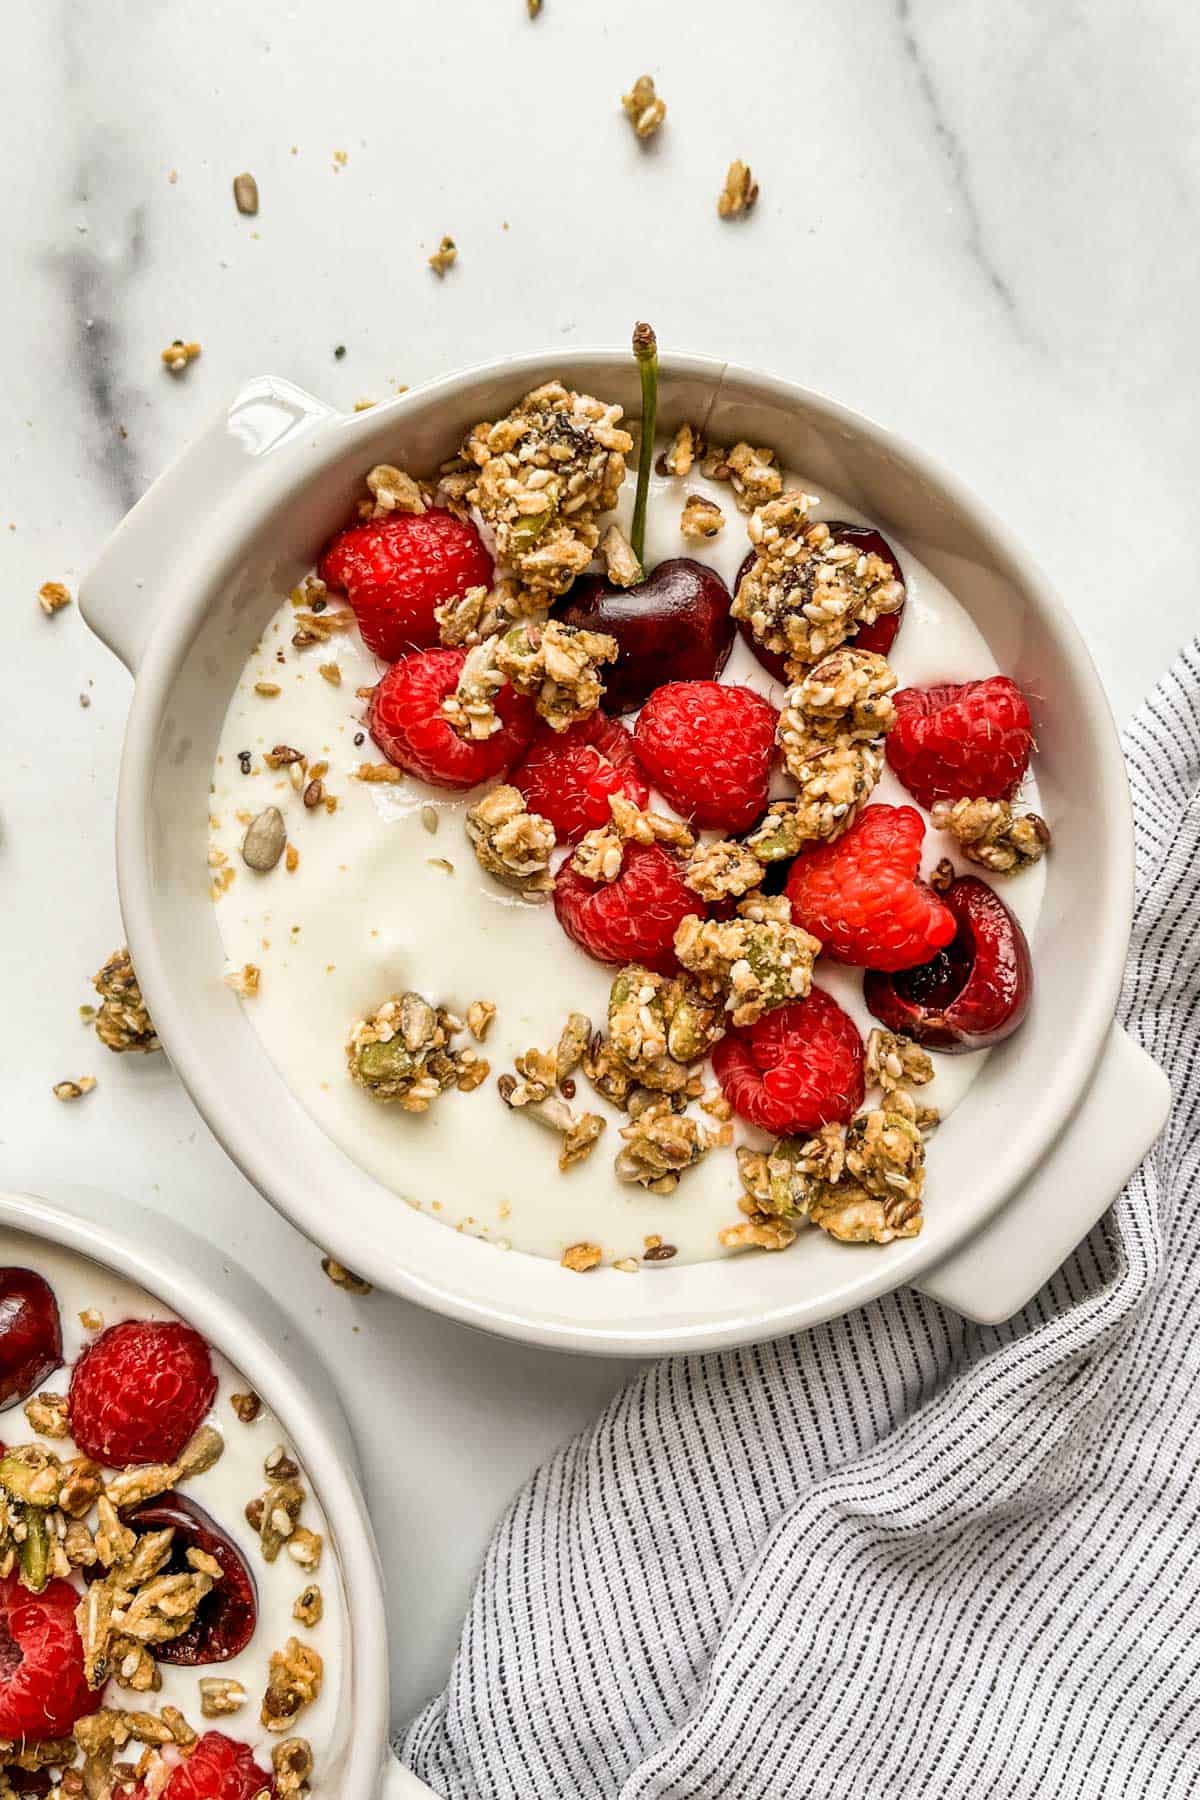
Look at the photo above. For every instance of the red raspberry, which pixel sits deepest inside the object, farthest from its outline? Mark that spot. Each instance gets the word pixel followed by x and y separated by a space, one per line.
pixel 568 775
pixel 969 741
pixel 797 1068
pixel 405 719
pixel 631 919
pixel 139 1391
pixel 218 1769
pixel 709 747
pixel 43 1688
pixel 394 571
pixel 862 897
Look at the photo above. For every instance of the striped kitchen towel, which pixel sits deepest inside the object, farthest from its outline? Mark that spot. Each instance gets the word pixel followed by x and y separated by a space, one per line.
pixel 900 1554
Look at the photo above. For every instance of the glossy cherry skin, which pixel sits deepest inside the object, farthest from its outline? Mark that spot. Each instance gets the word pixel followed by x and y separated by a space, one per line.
pixel 226 1617
pixel 878 637
pixel 30 1334
pixel 972 994
pixel 674 626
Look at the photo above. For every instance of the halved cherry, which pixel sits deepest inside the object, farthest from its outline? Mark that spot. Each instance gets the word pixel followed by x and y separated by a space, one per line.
pixel 226 1617
pixel 878 637
pixel 30 1334
pixel 973 993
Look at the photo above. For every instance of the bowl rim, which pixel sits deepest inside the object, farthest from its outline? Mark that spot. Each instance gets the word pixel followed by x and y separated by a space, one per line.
pixel 282 1387
pixel 170 636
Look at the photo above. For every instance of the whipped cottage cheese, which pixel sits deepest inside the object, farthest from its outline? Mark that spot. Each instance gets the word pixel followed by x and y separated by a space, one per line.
pixel 372 910
pixel 80 1285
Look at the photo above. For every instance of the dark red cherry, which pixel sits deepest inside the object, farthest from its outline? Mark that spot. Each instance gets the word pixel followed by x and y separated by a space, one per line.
pixel 973 993
pixel 878 637
pixel 226 1618
pixel 674 626
pixel 30 1334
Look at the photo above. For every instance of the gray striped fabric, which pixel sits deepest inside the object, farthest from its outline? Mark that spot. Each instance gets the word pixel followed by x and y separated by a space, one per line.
pixel 900 1554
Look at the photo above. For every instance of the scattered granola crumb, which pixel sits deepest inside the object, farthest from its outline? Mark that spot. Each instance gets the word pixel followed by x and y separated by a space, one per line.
pixel 344 1278
pixel 621 565
pixel 74 1090
pixel 701 518
pixel 628 1265
pixel 893 1061
pixel 268 689
pixel 684 448
pixel 245 193
pixel 91 1319
pixel 444 257
pixel 384 772
pixel 330 672
pixel 291 859
pixel 246 1406
pixel 296 1674
pixel 309 1605
pixel 340 159
pixel 581 1257
pixel 739 193
pixel 942 876
pixel 178 355
pixel 220 1696
pixel 480 1014
pixel 52 597
pixel 992 835
pixel 292 1762
pixel 363 405
pixel 643 108
pixel 244 981
pixel 394 491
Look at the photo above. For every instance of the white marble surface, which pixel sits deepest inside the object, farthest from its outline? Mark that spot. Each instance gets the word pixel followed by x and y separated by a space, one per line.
pixel 976 225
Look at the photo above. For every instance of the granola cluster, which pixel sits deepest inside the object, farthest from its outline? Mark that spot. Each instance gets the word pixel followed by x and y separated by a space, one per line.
pixel 722 869
pixel 830 731
pixel 481 612
pixel 757 961
pixel 512 843
pixel 122 1022
pixel 540 1087
pixel 557 665
pixel 991 834
pixel 659 1026
pixel 805 593
pixel 541 476
pixel 403 1052
pixel 599 853
pixel 894 1061
pixel 659 1144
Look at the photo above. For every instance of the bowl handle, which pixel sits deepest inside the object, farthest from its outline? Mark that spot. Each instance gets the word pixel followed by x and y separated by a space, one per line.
pixel 1102 1143
pixel 400 1783
pixel 116 597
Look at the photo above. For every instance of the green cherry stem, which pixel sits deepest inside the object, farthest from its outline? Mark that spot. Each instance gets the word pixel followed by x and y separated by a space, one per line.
pixel 645 349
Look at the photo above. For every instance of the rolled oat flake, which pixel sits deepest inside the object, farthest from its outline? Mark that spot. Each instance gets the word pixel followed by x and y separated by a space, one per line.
pixel 264 841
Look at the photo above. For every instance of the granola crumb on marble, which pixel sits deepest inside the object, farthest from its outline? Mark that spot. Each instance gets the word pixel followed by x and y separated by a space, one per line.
pixel 512 843
pixel 178 354
pixel 122 1022
pixel 722 868
pixel 739 192
pixel 444 257
pixel 756 963
pixel 53 596
pixel 643 108
pixel 894 1061
pixel 805 593
pixel 545 472
pixel 621 565
pixel 701 518
pixel 992 835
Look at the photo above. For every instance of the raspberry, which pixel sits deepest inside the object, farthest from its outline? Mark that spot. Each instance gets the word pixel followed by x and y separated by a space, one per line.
pixel 139 1391
pixel 966 742
pixel 862 897
pixel 708 748
pixel 798 1068
pixel 405 719
pixel 394 571
pixel 568 775
pixel 43 1688
pixel 218 1769
pixel 631 919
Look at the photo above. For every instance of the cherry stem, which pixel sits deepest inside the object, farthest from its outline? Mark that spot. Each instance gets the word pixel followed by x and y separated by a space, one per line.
pixel 645 349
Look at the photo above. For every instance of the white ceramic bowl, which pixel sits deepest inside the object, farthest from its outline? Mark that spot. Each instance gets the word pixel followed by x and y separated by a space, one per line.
pixel 234 1313
pixel 1060 1114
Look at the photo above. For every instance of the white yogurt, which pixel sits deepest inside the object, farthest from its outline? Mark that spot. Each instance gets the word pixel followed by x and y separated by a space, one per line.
pixel 369 913
pixel 223 1491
